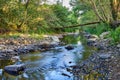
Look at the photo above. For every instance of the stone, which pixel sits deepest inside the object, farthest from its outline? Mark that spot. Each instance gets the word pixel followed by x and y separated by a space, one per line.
pixel 2 47
pixel 69 47
pixel 104 56
pixel 15 58
pixel 94 36
pixel 14 69
pixel 104 34
pixel 118 45
pixel 25 75
pixel 55 38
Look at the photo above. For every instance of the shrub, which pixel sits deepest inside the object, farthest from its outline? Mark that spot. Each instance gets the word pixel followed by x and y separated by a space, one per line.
pixel 115 35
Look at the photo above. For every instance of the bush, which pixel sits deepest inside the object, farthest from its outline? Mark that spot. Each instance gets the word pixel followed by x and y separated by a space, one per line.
pixel 97 29
pixel 115 35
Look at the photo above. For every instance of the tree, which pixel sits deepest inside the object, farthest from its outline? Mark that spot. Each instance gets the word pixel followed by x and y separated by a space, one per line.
pixel 107 11
pixel 33 16
pixel 63 14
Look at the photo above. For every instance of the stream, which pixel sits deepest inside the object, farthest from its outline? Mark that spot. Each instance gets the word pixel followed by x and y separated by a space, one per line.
pixel 49 65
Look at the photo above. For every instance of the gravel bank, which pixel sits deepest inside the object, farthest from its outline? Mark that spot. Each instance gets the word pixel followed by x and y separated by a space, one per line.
pixel 103 64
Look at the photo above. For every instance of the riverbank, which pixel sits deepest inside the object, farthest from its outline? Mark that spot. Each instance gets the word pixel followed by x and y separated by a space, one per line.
pixel 103 64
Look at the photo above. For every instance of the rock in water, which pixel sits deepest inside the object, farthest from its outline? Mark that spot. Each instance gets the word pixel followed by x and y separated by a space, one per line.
pixel 69 47
pixel 14 69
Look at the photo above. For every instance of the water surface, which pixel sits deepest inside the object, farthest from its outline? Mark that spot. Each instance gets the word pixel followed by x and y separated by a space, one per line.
pixel 49 65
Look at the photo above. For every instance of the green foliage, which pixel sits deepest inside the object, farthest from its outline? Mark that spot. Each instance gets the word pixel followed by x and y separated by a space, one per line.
pixel 62 14
pixel 97 29
pixel 32 17
pixel 88 16
pixel 115 35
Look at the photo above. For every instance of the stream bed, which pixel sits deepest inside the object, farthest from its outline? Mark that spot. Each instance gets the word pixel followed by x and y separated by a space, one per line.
pixel 54 64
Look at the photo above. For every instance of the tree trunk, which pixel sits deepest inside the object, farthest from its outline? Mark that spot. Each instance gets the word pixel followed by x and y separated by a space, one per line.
pixel 115 7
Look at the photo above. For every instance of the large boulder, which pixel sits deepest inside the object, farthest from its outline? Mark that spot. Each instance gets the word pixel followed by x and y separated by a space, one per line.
pixel 14 69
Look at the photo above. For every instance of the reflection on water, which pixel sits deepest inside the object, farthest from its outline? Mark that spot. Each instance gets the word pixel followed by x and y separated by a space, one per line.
pixel 71 39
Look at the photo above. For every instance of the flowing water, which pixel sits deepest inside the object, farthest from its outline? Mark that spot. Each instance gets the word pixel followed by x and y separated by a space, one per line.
pixel 49 65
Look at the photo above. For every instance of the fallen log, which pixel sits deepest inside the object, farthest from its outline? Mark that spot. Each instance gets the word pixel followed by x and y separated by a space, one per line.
pixel 73 26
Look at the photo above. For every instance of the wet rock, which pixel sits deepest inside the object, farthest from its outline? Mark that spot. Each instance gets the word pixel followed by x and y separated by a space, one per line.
pixel 104 56
pixel 14 69
pixel 69 47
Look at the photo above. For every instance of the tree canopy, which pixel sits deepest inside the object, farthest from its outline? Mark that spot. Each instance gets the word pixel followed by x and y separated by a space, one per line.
pixel 107 11
pixel 32 15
